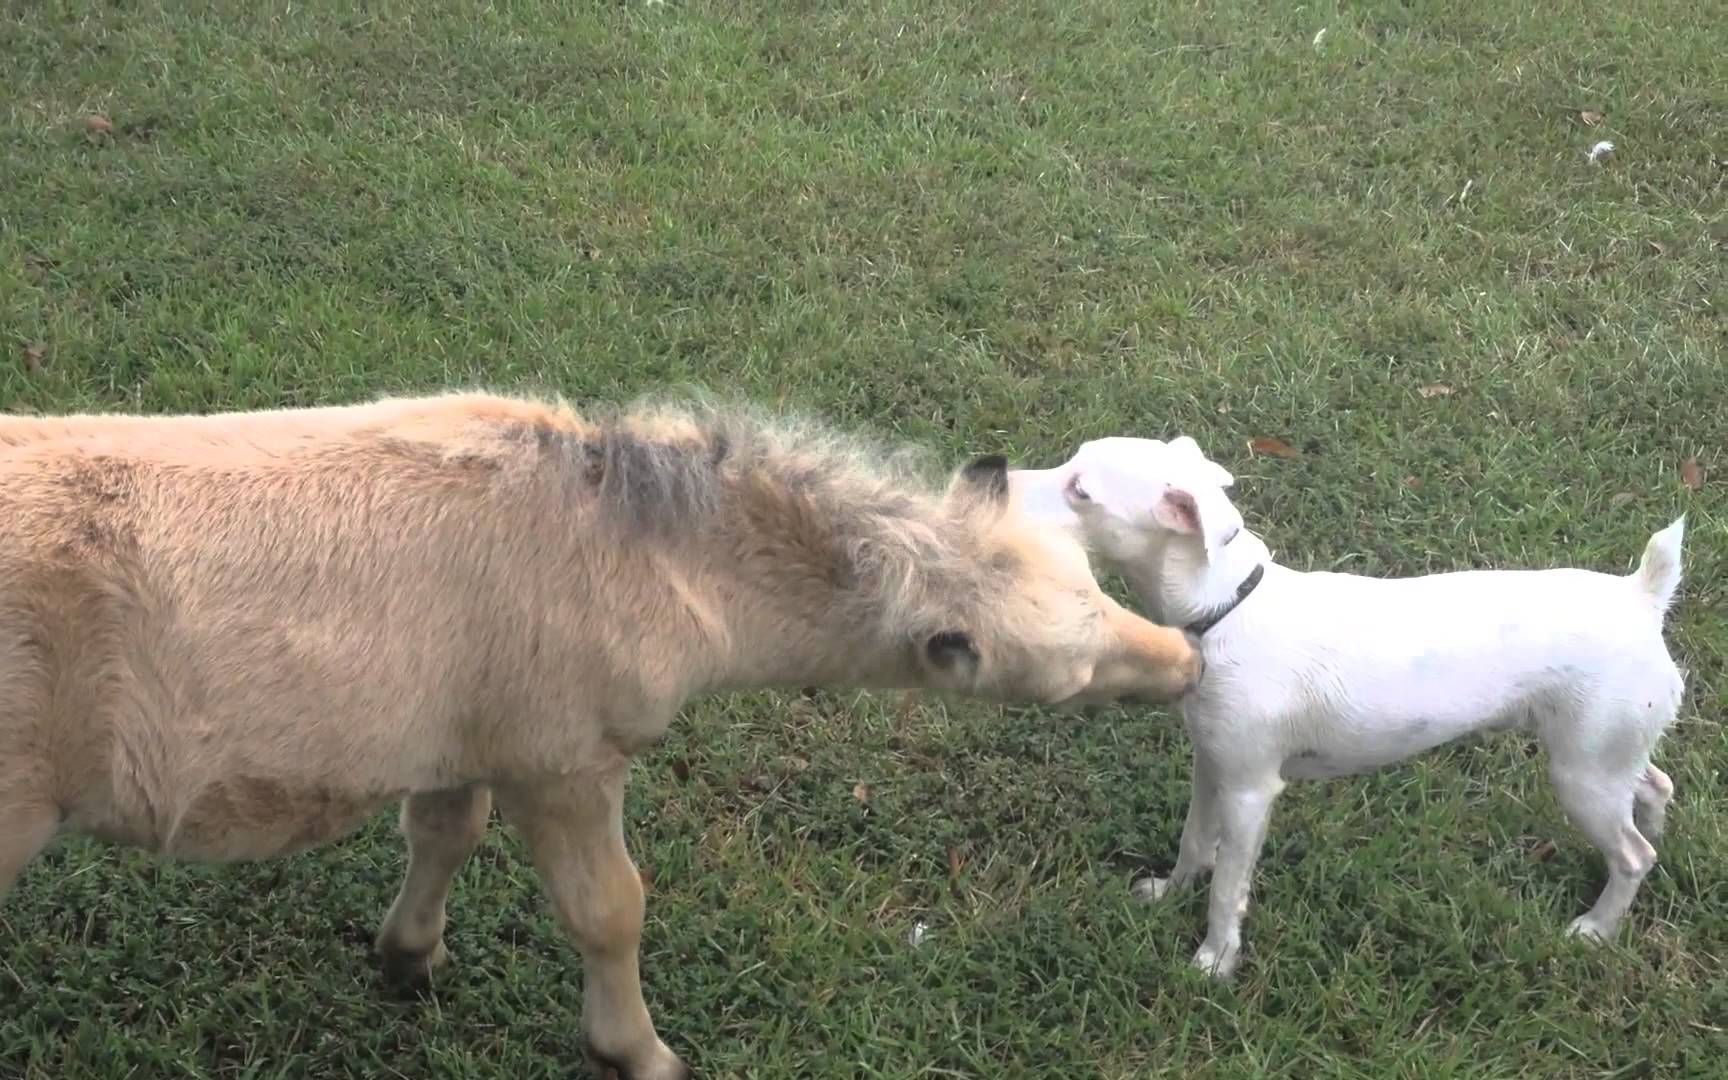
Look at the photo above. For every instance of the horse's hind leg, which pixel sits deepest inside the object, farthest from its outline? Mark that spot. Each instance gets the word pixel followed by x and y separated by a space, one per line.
pixel 26 826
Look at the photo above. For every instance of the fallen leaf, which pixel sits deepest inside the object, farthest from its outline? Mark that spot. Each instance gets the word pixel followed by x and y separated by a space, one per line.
pixel 97 124
pixel 1590 117
pixel 681 770
pixel 33 355
pixel 954 862
pixel 1656 248
pixel 1412 482
pixel 861 792
pixel 760 783
pixel 1224 409
pixel 1542 852
pixel 1691 475
pixel 1621 498
pixel 1266 444
pixel 1435 390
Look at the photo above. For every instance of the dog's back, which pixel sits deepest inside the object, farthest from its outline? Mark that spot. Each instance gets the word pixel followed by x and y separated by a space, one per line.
pixel 1366 671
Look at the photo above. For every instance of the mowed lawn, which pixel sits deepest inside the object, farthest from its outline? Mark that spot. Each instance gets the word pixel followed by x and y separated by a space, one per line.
pixel 981 227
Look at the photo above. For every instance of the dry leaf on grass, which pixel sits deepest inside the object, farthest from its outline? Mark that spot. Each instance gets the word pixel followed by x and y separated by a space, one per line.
pixel 1266 444
pixel 861 792
pixel 1542 852
pixel 97 124
pixel 1590 117
pixel 955 862
pixel 1435 390
pixel 1691 474
pixel 33 355
pixel 1621 498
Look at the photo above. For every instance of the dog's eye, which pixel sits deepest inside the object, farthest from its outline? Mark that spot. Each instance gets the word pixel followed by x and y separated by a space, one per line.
pixel 1076 492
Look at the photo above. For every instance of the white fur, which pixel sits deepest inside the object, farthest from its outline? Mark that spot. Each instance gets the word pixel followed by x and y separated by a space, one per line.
pixel 1322 674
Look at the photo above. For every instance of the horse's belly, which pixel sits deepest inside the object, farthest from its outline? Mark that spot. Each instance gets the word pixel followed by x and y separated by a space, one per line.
pixel 256 818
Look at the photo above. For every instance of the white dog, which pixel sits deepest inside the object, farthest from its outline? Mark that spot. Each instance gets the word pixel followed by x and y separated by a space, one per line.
pixel 1314 675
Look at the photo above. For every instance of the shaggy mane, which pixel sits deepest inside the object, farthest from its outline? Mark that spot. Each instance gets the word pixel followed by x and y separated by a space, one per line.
pixel 839 504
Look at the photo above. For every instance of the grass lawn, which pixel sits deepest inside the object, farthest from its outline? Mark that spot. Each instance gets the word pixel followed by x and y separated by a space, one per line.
pixel 981 227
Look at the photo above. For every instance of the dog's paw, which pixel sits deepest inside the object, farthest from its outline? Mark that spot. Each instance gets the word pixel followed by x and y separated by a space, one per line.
pixel 1584 928
pixel 1218 963
pixel 1150 889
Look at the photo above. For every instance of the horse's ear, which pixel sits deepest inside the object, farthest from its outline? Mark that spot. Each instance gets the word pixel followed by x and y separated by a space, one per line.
pixel 951 660
pixel 984 481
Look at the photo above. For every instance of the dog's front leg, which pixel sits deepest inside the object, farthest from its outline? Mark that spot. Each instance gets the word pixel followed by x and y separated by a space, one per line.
pixel 1199 846
pixel 1243 810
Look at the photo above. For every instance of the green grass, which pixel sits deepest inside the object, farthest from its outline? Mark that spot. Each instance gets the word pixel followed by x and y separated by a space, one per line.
pixel 982 227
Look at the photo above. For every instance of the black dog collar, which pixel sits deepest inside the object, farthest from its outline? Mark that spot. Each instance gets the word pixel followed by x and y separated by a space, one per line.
pixel 1216 615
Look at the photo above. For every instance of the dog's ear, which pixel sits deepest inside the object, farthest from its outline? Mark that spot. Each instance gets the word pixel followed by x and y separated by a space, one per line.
pixel 1198 510
pixel 1189 451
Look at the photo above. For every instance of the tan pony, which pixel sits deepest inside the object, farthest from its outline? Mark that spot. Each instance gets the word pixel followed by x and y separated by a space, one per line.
pixel 235 636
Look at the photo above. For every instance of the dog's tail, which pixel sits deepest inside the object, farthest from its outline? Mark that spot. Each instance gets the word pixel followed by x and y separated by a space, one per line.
pixel 1658 571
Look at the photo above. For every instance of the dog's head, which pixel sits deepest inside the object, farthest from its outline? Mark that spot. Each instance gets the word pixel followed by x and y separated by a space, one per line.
pixel 1127 498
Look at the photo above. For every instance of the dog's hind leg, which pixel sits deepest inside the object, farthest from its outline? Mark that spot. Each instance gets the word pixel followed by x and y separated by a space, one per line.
pixel 1650 802
pixel 1199 846
pixel 1601 805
